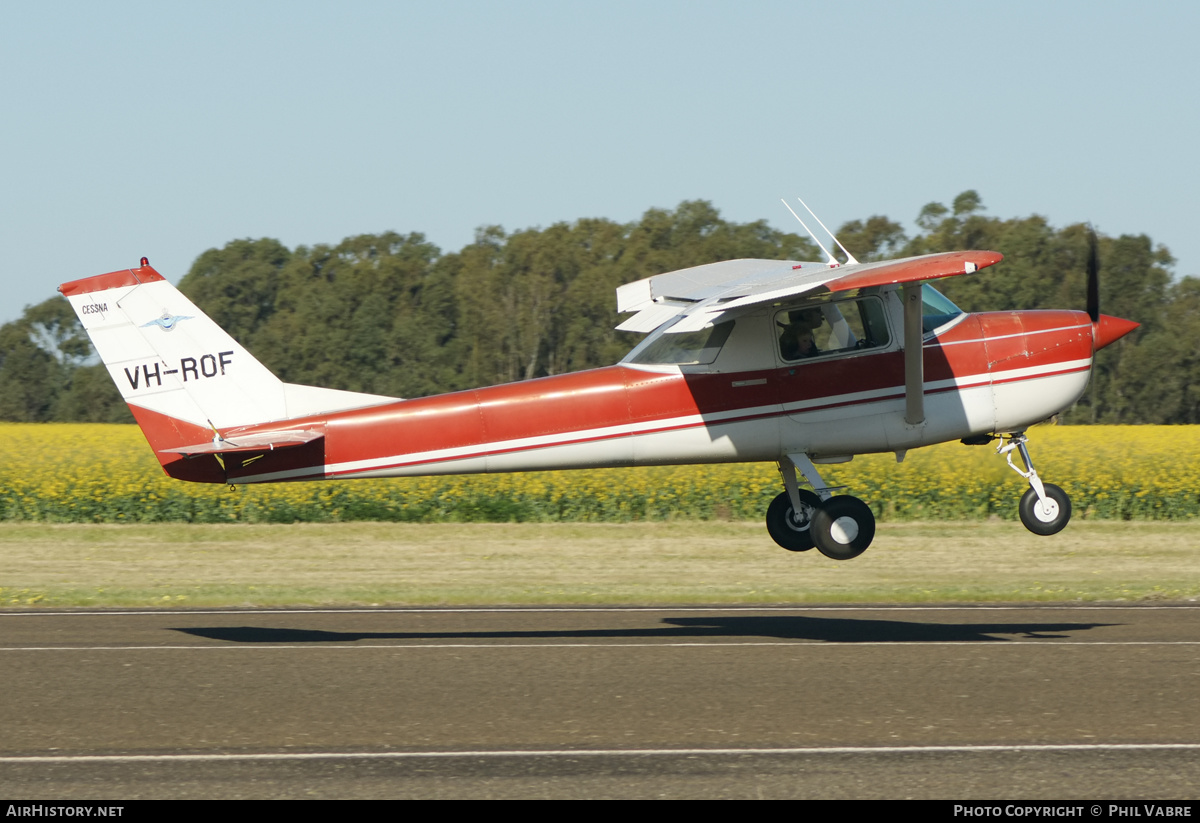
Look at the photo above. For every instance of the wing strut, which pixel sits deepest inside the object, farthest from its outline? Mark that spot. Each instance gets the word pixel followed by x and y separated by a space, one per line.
pixel 914 356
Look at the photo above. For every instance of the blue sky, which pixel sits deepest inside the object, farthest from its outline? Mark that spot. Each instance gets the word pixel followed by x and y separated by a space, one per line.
pixel 165 129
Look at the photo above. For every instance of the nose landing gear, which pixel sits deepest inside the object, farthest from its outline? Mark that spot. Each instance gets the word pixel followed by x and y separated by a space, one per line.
pixel 840 527
pixel 1045 509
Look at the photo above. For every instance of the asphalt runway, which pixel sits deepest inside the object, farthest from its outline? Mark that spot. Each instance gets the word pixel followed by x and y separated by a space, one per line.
pixel 954 703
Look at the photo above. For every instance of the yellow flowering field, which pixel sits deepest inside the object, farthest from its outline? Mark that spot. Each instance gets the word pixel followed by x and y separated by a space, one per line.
pixel 85 473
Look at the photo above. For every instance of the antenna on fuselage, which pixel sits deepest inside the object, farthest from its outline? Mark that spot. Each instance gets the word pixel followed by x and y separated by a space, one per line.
pixel 850 259
pixel 832 261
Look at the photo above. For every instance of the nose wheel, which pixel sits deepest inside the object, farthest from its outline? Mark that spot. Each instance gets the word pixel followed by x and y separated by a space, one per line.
pixel 840 527
pixel 1045 509
pixel 1047 516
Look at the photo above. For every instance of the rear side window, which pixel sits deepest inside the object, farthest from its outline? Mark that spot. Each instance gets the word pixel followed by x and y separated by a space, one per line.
pixel 686 349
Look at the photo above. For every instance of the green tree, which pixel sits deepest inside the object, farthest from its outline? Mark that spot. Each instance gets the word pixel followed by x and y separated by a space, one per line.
pixel 30 376
pixel 1159 377
pixel 345 316
pixel 39 354
pixel 90 396
pixel 237 285
pixel 541 301
pixel 877 238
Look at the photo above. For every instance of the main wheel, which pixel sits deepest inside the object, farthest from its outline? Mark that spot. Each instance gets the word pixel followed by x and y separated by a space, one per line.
pixel 1050 518
pixel 788 528
pixel 843 527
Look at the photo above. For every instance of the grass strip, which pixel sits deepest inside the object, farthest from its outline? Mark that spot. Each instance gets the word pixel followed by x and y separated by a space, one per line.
pixel 344 564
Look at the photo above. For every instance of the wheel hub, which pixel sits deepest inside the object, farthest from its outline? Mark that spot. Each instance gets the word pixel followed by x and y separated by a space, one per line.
pixel 1046 510
pixel 800 520
pixel 844 530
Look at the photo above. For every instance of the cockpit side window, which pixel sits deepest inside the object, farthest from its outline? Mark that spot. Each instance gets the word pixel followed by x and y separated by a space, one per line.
pixel 686 349
pixel 832 328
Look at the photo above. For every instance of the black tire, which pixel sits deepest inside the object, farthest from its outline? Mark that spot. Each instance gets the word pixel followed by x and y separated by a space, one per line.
pixel 843 527
pixel 791 532
pixel 1043 522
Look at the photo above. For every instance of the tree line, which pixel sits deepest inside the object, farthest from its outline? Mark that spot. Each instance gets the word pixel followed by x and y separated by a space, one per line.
pixel 392 314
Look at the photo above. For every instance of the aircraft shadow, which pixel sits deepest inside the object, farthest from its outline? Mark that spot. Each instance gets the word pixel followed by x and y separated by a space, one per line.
pixel 792 627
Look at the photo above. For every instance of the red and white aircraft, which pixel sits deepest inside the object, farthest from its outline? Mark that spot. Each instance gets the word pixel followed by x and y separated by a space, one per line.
pixel 746 360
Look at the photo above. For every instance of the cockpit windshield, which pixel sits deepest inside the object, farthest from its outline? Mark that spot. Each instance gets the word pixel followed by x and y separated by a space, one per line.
pixel 689 348
pixel 936 309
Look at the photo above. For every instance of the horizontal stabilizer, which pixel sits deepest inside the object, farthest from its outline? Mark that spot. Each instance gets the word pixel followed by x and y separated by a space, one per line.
pixel 268 441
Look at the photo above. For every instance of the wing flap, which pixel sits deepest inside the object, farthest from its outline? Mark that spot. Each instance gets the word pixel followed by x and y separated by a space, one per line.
pixel 651 317
pixel 702 282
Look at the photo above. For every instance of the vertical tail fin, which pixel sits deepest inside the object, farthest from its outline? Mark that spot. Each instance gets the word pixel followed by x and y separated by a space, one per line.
pixel 168 357
pixel 184 378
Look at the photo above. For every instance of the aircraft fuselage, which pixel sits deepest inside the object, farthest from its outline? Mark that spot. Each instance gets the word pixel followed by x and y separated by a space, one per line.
pixel 988 372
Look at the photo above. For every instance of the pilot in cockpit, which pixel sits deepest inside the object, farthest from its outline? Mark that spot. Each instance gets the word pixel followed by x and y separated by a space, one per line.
pixel 797 341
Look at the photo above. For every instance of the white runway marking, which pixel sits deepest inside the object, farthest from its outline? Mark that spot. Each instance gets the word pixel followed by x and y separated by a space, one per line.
pixel 828 750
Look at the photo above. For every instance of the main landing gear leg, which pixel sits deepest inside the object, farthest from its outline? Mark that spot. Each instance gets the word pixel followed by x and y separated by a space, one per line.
pixel 841 527
pixel 1045 508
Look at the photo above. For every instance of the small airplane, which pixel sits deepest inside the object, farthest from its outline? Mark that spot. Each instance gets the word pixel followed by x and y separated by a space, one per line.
pixel 791 362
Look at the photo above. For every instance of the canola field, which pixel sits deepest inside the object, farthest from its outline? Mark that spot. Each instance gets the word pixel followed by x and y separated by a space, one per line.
pixel 96 473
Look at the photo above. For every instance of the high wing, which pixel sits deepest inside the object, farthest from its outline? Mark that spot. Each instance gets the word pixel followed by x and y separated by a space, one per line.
pixel 703 294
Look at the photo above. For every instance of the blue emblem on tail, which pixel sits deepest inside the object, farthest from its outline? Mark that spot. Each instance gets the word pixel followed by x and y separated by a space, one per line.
pixel 167 322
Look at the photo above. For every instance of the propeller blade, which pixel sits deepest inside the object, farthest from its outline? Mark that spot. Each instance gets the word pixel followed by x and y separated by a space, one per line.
pixel 1093 277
